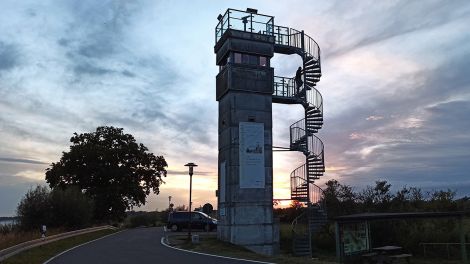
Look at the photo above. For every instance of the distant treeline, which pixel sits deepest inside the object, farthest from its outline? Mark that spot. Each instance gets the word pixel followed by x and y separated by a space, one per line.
pixel 342 199
pixel 8 218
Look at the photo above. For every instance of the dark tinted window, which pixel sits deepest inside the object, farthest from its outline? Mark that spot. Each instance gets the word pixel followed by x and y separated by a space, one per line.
pixel 253 60
pixel 250 59
pixel 180 215
pixel 263 61
pixel 238 57
pixel 245 58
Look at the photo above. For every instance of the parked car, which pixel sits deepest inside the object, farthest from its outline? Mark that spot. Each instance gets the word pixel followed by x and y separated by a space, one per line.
pixel 199 220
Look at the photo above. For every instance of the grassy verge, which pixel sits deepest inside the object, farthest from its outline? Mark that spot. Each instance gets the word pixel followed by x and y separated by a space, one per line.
pixel 42 253
pixel 16 237
pixel 209 244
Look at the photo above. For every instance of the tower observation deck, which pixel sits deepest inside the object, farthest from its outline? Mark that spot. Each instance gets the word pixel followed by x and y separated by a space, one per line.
pixel 246 87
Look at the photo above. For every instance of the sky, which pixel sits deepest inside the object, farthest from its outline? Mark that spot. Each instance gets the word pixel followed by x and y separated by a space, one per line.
pixel 395 84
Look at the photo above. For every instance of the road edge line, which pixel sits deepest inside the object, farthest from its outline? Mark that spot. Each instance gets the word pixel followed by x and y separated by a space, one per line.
pixel 162 241
pixel 77 246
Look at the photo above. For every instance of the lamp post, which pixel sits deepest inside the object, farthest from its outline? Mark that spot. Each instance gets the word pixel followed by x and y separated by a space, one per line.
pixel 191 166
pixel 169 202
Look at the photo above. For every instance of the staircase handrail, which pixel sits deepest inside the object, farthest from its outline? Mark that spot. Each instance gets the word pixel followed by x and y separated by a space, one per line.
pixel 299 124
pixel 318 195
pixel 297 179
pixel 314 144
pixel 293 173
pixel 314 98
pixel 292 37
pixel 295 221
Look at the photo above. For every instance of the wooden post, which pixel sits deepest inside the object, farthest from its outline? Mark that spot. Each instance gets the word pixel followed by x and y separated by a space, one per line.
pixel 339 253
pixel 463 248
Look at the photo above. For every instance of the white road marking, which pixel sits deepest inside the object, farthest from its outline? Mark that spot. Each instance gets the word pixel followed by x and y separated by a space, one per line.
pixel 162 241
pixel 63 252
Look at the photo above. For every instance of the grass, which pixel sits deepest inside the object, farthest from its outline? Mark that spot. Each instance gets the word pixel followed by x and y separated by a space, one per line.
pixel 16 237
pixel 42 253
pixel 209 244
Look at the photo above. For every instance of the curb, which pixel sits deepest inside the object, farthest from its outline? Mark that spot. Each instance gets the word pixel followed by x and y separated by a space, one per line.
pixel 13 250
pixel 77 246
pixel 162 241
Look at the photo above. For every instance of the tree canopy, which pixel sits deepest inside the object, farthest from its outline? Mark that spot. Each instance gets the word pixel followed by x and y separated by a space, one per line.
pixel 111 168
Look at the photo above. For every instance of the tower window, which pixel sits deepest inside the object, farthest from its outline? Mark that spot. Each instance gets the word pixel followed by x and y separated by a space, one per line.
pixel 250 59
pixel 245 58
pixel 238 57
pixel 263 61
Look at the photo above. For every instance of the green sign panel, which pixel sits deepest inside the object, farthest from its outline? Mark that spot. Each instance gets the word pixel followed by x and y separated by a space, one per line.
pixel 355 238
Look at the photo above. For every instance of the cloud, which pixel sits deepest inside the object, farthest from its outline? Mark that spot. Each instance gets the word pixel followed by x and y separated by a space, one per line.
pixel 395 86
pixel 8 56
pixel 379 23
pixel 12 188
pixel 87 68
pixel 424 138
pixel 374 118
pixel 29 161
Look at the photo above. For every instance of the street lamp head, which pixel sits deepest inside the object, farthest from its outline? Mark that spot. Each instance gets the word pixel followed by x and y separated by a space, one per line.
pixel 191 166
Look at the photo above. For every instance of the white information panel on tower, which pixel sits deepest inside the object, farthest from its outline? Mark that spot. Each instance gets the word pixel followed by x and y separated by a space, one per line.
pixel 251 139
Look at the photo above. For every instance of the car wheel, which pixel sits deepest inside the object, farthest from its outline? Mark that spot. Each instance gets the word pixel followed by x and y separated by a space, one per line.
pixel 174 228
pixel 207 228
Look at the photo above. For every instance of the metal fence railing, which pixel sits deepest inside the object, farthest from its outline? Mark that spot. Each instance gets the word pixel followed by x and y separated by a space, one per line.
pixel 244 21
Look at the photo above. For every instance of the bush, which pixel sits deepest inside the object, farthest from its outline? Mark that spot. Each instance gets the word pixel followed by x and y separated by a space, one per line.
pixel 34 208
pixel 142 219
pixel 8 228
pixel 68 208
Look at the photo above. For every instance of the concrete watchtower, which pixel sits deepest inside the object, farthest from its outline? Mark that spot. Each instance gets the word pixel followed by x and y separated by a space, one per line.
pixel 245 89
pixel 244 92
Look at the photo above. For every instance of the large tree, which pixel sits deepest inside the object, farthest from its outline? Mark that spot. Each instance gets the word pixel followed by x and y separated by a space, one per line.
pixel 111 168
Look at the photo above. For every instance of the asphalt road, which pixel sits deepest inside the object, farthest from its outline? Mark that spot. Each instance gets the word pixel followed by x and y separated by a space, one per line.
pixel 140 245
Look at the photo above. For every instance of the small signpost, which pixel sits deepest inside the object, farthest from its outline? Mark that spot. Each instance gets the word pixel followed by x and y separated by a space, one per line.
pixel 43 232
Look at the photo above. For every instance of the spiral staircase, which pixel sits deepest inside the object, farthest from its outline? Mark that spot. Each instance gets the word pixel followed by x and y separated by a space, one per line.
pixel 302 134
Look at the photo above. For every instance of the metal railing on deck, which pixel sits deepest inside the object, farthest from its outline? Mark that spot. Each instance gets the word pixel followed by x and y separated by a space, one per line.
pixel 447 245
pixel 284 86
pixel 288 36
pixel 244 21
